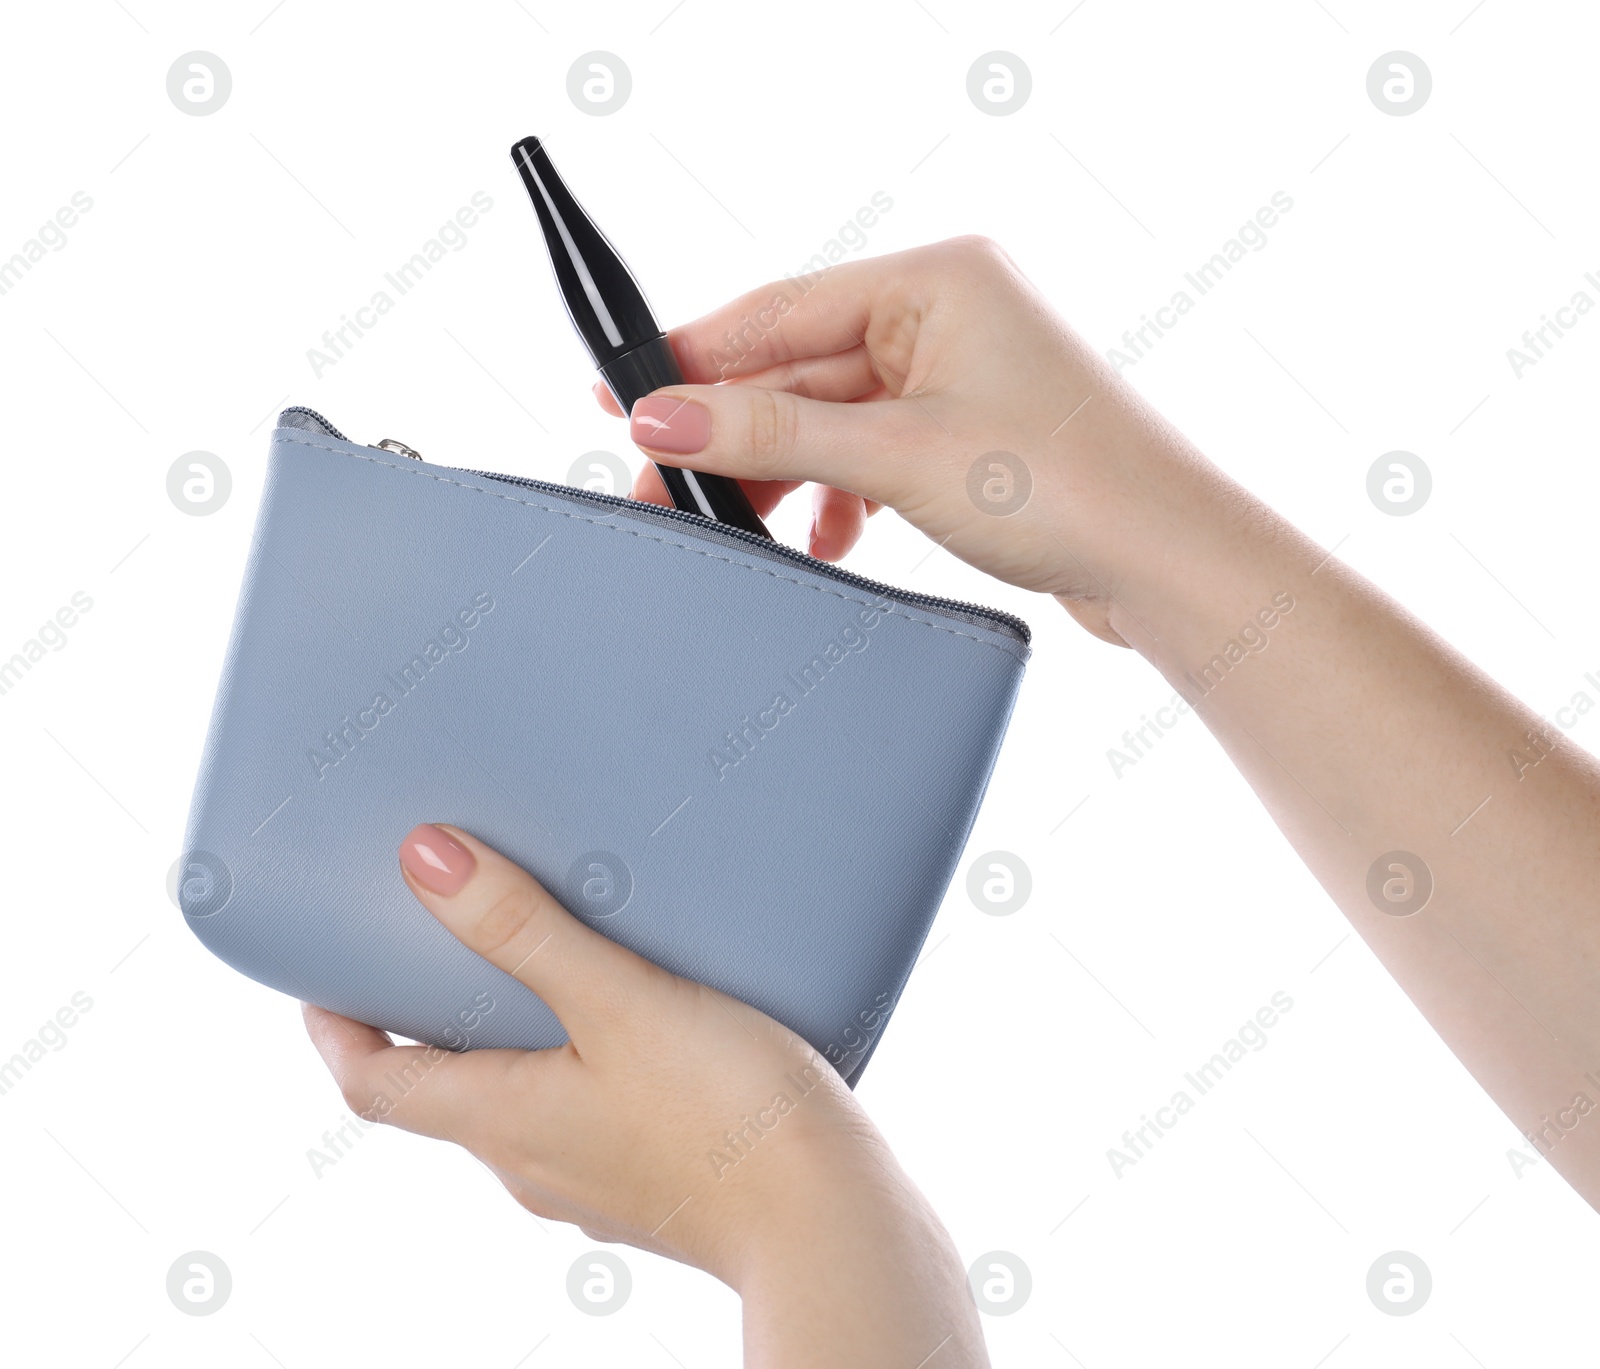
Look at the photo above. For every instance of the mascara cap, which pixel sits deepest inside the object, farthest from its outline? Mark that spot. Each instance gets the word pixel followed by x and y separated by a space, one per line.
pixel 605 303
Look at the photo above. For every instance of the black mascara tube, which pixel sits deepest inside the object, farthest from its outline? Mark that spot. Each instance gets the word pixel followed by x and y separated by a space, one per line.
pixel 613 318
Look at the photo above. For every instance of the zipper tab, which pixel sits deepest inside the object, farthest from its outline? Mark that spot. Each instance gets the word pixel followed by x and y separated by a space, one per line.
pixel 389 444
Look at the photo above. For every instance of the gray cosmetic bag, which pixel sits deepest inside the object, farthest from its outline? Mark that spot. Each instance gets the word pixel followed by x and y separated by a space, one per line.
pixel 751 767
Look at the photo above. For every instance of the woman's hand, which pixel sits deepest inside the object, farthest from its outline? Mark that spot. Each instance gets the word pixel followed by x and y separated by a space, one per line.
pixel 1377 749
pixel 676 1119
pixel 937 381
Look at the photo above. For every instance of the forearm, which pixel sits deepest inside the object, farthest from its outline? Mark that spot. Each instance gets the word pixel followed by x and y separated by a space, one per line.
pixel 1365 734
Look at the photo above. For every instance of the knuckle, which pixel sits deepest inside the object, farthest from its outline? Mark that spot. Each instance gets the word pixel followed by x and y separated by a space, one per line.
pixel 790 376
pixel 509 914
pixel 978 253
pixel 359 1100
pixel 773 432
pixel 778 344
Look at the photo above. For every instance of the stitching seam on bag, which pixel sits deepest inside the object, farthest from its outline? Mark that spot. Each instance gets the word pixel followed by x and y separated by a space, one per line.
pixel 612 525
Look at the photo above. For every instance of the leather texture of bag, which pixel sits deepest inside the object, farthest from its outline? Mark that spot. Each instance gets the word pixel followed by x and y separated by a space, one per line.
pixel 751 767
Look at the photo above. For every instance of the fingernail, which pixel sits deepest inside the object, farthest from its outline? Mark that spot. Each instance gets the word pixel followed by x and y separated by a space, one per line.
pixel 670 425
pixel 436 860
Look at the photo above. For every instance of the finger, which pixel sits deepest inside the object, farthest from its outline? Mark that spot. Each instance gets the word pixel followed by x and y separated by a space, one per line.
pixel 811 316
pixel 837 521
pixel 764 495
pixel 424 1089
pixel 496 908
pixel 758 434
pixel 340 1038
pixel 842 376
pixel 648 487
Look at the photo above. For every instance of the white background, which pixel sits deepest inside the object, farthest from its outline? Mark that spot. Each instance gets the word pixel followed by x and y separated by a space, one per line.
pixel 1164 911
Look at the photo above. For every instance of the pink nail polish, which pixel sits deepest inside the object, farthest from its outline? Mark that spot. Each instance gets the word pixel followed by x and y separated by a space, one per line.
pixel 436 860
pixel 680 426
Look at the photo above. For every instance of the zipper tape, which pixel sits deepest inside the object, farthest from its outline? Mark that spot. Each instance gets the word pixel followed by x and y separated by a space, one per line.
pixel 972 613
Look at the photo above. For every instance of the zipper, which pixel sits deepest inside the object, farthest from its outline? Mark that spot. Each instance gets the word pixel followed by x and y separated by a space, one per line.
pixel 973 613
pixel 388 444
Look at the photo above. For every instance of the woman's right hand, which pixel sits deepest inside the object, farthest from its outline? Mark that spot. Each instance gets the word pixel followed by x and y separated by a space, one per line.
pixel 937 381
pixel 674 1118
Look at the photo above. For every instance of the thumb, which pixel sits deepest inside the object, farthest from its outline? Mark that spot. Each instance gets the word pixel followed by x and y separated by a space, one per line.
pixel 756 434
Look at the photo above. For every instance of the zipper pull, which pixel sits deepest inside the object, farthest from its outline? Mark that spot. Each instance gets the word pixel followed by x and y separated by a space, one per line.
pixel 389 444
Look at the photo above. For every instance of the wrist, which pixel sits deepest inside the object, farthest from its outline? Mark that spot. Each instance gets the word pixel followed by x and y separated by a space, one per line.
pixel 1130 507
pixel 854 1267
pixel 800 1190
pixel 1199 557
pixel 1173 558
